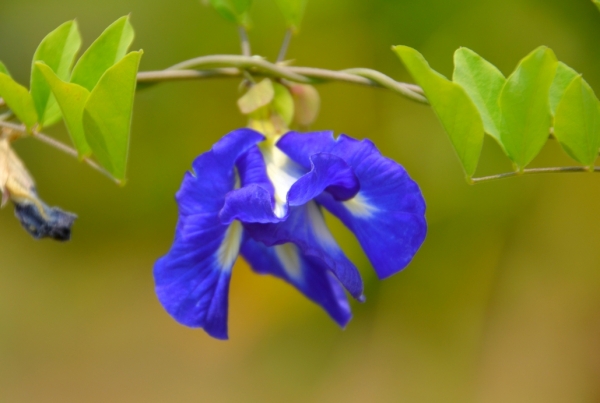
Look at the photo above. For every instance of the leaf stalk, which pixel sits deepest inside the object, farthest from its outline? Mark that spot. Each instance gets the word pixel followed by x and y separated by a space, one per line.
pixel 59 146
pixel 244 41
pixel 535 171
pixel 284 45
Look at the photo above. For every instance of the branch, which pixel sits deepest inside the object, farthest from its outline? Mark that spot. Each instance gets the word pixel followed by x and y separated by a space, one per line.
pixel 6 115
pixel 244 41
pixel 284 46
pixel 59 146
pixel 149 77
pixel 387 82
pixel 535 171
pixel 241 62
pixel 232 66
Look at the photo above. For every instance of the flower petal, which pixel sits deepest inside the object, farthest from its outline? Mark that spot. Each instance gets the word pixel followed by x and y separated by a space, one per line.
pixel 283 173
pixel 267 176
pixel 255 201
pixel 253 170
pixel 216 170
pixel 306 228
pixel 192 280
pixel 300 147
pixel 386 215
pixel 307 273
pixel 250 204
pixel 328 172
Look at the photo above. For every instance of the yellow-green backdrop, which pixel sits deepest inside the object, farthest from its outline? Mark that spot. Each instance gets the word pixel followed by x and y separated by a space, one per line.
pixel 501 304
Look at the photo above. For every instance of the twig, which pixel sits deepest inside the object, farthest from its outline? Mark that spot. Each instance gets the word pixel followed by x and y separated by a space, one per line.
pixel 284 46
pixel 176 75
pixel 535 171
pixel 59 146
pixel 245 42
pixel 241 62
pixel 385 81
pixel 6 115
pixel 232 66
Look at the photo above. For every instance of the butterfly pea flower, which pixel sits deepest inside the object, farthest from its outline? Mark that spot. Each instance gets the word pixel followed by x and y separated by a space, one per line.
pixel 262 198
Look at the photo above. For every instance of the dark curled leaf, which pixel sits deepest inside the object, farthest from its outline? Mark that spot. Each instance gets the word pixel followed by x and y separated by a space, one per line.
pixel 52 222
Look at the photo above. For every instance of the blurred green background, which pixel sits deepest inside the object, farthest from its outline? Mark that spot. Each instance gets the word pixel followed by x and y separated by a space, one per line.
pixel 501 304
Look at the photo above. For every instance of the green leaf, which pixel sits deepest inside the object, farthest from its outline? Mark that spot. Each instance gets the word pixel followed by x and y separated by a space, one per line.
pixel 564 76
pixel 3 69
pixel 19 100
pixel 283 103
pixel 57 50
pixel 525 106
pixel 597 3
pixel 71 98
pixel 107 114
pixel 483 83
pixel 452 105
pixel 107 49
pixel 235 11
pixel 577 122
pixel 293 11
pixel 258 95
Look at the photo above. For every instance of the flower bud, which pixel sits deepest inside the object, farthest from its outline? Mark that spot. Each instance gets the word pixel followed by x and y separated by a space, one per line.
pixel 306 104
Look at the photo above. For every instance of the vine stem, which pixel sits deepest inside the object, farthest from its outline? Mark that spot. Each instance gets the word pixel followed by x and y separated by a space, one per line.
pixel 534 171
pixel 233 65
pixel 284 45
pixel 59 146
pixel 241 62
pixel 244 41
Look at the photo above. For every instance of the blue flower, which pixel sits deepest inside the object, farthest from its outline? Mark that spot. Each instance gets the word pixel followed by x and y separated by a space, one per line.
pixel 262 199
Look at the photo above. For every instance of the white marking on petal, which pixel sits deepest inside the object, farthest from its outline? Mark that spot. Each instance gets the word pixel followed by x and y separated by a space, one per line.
pixel 359 206
pixel 229 249
pixel 290 260
pixel 283 173
pixel 318 225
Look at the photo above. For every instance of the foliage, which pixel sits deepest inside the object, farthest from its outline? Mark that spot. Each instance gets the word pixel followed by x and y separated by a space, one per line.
pixel 18 99
pixel 233 10
pixel 540 97
pixel 95 98
pixel 453 106
pixel 293 12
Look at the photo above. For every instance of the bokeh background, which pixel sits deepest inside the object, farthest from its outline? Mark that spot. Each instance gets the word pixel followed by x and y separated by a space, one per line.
pixel 501 304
